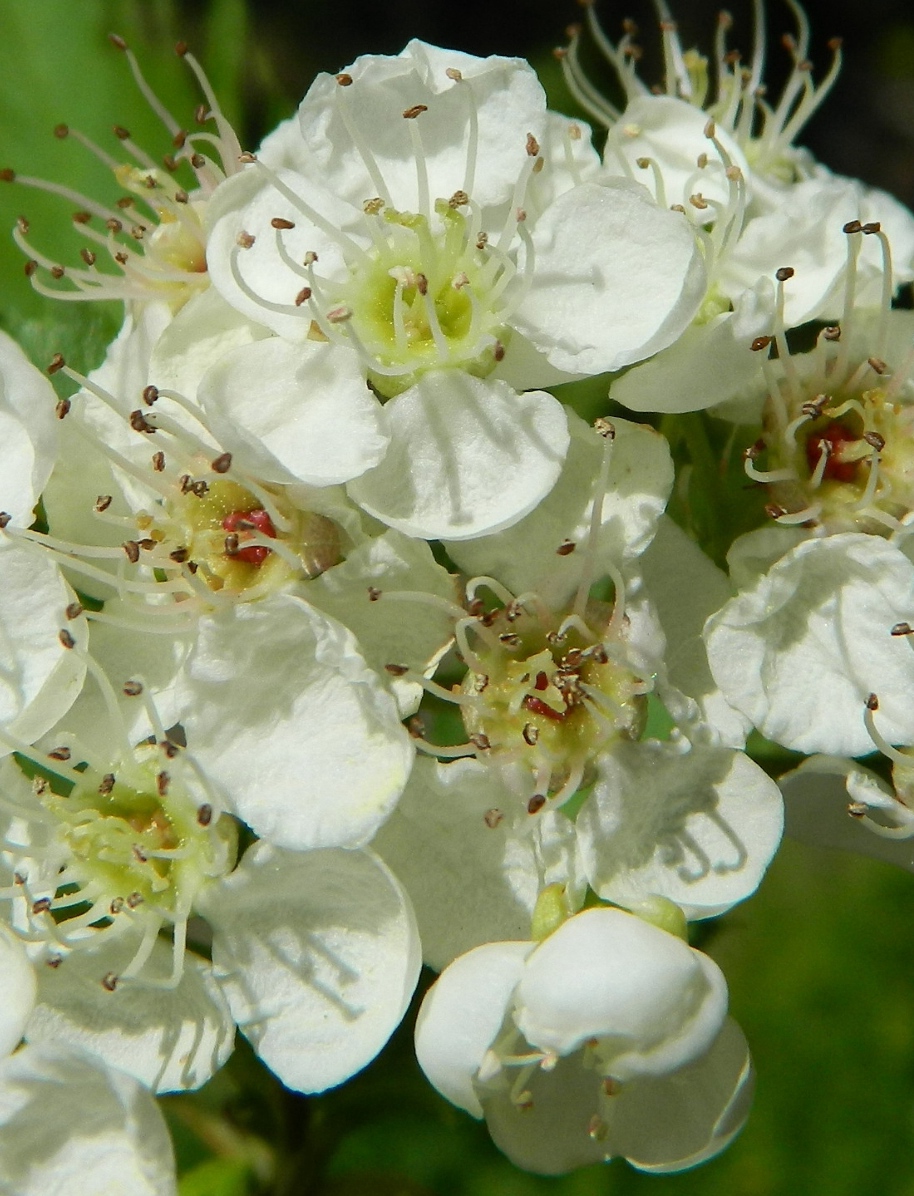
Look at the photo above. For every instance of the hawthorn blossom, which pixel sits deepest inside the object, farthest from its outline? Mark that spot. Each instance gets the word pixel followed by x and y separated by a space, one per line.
pixel 407 234
pixel 109 869
pixel 608 1038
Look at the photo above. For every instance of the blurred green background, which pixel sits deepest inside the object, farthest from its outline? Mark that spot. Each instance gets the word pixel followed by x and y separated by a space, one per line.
pixel 819 961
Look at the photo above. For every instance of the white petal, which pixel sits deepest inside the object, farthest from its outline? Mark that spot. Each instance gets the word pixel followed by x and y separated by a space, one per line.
pixel 28 432
pixel 709 364
pixel 168 1039
pixel 294 413
pixel 697 828
pixel 70 1126
pixel 466 457
pixel 394 631
pixel 677 1121
pixel 633 292
pixel 525 557
pixel 685 587
pixel 672 132
pixel 318 955
pixel 816 800
pixel 505 93
pixel 40 677
pixel 283 714
pixel 606 974
pixel 18 987
pixel 461 1016
pixel 800 651
pixel 470 882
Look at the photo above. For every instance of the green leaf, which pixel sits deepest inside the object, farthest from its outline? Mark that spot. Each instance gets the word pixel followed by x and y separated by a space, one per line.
pixel 218 1177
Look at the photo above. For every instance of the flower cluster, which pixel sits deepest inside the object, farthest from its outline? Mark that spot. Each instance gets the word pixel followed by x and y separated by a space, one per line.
pixel 335 642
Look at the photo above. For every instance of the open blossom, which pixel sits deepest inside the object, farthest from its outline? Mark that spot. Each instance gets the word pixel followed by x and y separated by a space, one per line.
pixel 149 246
pixel 415 233
pixel 559 785
pixel 608 1038
pixel 315 954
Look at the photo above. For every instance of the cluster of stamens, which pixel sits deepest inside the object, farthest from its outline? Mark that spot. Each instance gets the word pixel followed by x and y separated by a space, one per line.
pixel 837 425
pixel 423 290
pixel 764 130
pixel 153 236
pixel 213 535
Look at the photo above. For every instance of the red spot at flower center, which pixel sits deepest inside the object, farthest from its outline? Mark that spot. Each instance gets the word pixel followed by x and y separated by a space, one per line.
pixel 831 440
pixel 246 524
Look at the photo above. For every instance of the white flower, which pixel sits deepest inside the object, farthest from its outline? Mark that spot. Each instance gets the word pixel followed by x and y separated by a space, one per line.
pixel 149 248
pixel 314 954
pixel 71 1126
pixel 424 253
pixel 608 1038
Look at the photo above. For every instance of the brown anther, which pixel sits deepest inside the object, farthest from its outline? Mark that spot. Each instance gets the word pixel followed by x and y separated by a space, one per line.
pixel 416 727
pixel 832 332
pixel 132 549
pixel 857 809
pixel 205 814
pixel 873 227
pixel 482 240
pixel 872 702
pixel 396 670
pixel 310 258
pixel 344 80
pixel 57 363
pixel 170 163
pixel 134 900
pixel 245 240
pixel 877 365
pixel 835 43
pixel 734 174
pixel 30 267
pixel 121 258
pixel 533 146
pixel 201 114
pixel 163 780
pixel 197 161
pixel 492 818
pixel 536 803
pixel 605 428
pixel 710 129
pixel 140 423
pixel 784 273
pixel 281 223
pixel 4 520
pixel 150 395
pixel 139 855
pixel 754 450
pixel 611 1087
pixel 459 199
pixel 66 639
pixel 874 440
pixel 247 158
pixel 853 226
pixel 510 639
pixel 61 132
pixel 54 961
pixel 371 207
pixel 422 284
pixel 902 629
pixel 87 256
pixel 74 610
pixel 761 342
pixel 373 593
pixel 566 548
pixel 109 982
pixel 41 906
pixel 773 511
pixel 200 489
pixel 170 748
pixel 181 196
pixel 59 753
pixel 179 556
pixel 114 226
pixel 107 784
pixel 498 351
pixel 531 734
pixel 158 462
pixel 116 905
pixel 520 215
pixel 480 741
pixel 339 315
pixel 416 110
pixel 303 296
pixel 559 52
pixel 7 175
pixel 103 502
pixel 132 689
pixel 117 41
pixel 63 408
pixel 138 231
pixel 232 544
pixel 56 271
